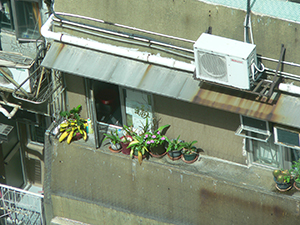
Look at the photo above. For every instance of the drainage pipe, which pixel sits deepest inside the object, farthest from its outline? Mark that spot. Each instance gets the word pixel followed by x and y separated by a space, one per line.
pixel 9 115
pixel 290 88
pixel 125 52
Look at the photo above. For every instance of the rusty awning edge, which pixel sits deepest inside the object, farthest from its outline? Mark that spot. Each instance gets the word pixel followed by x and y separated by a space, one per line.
pixel 167 82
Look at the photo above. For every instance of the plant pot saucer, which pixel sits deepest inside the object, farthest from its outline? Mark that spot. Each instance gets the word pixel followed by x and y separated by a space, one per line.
pixel 157 156
pixel 192 161
pixel 295 186
pixel 283 190
pixel 174 158
pixel 114 151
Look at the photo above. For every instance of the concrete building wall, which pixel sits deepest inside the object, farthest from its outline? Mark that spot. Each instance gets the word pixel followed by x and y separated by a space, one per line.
pixel 213 129
pixel 188 19
pixel 76 93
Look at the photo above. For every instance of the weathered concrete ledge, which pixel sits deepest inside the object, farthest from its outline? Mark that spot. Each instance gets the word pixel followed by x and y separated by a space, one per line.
pixel 88 184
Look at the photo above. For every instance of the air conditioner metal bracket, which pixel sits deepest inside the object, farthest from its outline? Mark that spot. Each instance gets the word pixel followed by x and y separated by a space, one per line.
pixel 265 88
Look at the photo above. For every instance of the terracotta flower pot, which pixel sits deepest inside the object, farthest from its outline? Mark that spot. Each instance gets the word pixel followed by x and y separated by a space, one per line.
pixel 124 149
pixel 297 185
pixel 124 145
pixel 115 148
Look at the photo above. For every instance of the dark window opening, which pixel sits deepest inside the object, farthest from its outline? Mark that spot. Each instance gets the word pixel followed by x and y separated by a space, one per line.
pixel 107 102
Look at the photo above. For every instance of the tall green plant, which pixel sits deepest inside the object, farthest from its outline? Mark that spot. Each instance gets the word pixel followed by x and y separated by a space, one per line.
pixel 113 137
pixel 295 171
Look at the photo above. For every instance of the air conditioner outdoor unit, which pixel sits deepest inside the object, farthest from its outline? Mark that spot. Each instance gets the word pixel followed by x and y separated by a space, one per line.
pixel 18 74
pixel 225 61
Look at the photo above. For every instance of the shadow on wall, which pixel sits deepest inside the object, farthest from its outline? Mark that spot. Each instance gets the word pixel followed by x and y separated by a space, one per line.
pixel 196 113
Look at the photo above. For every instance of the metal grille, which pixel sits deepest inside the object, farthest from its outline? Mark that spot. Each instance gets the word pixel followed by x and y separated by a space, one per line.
pixel 43 86
pixel 18 206
pixel 212 66
pixel 5 129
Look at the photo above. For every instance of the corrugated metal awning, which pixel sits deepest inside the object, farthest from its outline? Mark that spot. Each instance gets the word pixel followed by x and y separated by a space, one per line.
pixel 168 82
pixel 121 71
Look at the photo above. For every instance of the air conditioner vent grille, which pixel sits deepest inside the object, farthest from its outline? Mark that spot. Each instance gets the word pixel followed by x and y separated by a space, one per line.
pixel 213 66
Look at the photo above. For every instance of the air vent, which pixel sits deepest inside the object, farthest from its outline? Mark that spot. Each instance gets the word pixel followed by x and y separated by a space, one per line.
pixel 213 66
pixel 5 130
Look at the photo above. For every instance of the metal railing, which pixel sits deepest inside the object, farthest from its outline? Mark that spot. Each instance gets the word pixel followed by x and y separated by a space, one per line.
pixel 18 206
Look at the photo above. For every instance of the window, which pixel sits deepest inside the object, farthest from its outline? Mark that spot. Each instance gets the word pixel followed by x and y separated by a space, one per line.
pixel 279 150
pixel 36 133
pixel 286 137
pixel 253 129
pixel 113 106
pixel 22 16
pixel 5 15
pixel 266 153
pixel 138 108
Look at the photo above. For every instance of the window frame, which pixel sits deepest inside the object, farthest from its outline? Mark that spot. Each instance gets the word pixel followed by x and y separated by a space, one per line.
pixel 11 28
pixel 278 142
pixel 249 130
pixel 16 26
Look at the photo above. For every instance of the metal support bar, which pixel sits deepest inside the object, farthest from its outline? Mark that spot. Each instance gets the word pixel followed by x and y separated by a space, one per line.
pixel 275 81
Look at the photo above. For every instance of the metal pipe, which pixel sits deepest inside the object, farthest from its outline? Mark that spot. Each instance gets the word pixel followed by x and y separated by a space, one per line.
pixel 290 88
pixel 162 35
pixel 125 52
pixel 284 74
pixel 9 115
pixel 144 40
pixel 276 60
pixel 144 43
pixel 126 27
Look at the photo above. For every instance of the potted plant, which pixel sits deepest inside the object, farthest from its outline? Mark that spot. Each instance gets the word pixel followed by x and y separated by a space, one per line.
pixel 126 139
pixel 115 141
pixel 295 171
pixel 283 179
pixel 138 147
pixel 73 127
pixel 174 147
pixel 189 152
pixel 156 142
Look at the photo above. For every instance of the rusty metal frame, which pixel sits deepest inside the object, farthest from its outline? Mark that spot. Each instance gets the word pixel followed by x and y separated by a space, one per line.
pixel 265 88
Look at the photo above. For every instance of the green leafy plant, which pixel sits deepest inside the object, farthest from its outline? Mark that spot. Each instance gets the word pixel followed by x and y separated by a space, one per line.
pixel 113 137
pixel 174 144
pixel 295 171
pixel 156 137
pixel 188 147
pixel 144 128
pixel 73 125
pixel 129 131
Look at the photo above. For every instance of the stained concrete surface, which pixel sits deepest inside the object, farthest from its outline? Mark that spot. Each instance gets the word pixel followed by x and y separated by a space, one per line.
pixel 99 187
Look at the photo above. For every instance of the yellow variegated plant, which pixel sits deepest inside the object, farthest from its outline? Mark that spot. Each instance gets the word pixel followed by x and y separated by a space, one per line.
pixel 73 125
pixel 138 144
